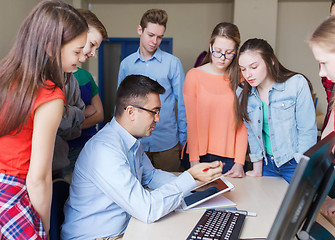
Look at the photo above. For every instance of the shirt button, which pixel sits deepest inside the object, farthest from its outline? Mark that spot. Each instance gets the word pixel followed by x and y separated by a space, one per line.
pixel 259 121
pixel 147 64
pixel 260 108
pixel 283 104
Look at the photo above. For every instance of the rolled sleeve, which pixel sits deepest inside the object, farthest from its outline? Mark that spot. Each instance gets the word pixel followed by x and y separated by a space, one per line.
pixel 241 144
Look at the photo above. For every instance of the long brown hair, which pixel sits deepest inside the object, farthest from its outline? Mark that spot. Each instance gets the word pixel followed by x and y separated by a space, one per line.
pixel 275 70
pixel 34 58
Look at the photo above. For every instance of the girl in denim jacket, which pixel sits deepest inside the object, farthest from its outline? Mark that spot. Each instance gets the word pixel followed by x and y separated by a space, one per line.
pixel 277 108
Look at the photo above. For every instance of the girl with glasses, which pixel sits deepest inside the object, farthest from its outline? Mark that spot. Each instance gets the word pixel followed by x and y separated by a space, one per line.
pixel 277 108
pixel 213 132
pixel 49 43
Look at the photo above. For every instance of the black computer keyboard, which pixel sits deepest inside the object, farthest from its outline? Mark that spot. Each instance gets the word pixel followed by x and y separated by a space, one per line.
pixel 218 225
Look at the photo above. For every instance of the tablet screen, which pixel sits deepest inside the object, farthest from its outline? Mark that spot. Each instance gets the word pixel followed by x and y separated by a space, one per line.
pixel 205 191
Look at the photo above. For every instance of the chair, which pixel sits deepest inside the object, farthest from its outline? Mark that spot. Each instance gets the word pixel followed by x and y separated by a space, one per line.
pixel 60 193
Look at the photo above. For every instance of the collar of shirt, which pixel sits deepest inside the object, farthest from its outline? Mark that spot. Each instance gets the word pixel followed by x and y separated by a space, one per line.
pixel 276 85
pixel 157 55
pixel 132 145
pixel 279 86
pixel 129 140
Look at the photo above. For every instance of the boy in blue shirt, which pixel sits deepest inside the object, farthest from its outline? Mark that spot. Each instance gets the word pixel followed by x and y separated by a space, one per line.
pixel 164 145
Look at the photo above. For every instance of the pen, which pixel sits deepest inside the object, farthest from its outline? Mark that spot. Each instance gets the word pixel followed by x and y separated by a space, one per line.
pixel 247 213
pixel 205 169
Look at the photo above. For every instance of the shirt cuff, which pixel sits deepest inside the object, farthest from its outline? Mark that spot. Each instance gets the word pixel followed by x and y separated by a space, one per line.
pixel 185 182
pixel 256 157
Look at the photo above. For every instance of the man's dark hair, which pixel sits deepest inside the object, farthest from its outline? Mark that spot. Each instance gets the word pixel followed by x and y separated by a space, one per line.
pixel 133 91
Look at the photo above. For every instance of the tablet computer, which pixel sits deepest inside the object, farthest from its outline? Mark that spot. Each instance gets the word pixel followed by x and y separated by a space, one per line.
pixel 206 191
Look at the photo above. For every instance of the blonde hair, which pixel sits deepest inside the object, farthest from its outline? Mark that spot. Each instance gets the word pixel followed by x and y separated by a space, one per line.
pixel 324 34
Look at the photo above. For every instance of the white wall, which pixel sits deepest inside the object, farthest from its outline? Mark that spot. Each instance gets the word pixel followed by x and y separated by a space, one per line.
pixel 12 14
pixel 296 22
pixel 256 18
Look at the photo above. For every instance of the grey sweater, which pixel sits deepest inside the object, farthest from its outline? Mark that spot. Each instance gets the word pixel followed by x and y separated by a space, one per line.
pixel 70 125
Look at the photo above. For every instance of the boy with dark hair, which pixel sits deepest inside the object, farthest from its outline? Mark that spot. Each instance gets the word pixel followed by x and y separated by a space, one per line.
pixel 112 170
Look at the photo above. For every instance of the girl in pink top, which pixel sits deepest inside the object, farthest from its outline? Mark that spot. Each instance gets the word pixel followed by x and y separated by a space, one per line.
pixel 213 132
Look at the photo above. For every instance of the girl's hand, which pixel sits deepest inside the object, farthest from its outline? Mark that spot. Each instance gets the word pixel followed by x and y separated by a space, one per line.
pixel 236 171
pixel 253 173
pixel 328 207
pixel 257 169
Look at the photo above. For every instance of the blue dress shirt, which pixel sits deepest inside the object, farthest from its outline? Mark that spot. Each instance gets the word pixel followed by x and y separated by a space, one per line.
pixel 107 187
pixel 168 71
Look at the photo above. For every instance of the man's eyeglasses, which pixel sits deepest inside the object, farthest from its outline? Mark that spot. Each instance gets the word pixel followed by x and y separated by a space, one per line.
pixel 145 109
pixel 227 55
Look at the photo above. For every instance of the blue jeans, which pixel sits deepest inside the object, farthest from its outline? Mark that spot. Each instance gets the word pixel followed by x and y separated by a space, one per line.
pixel 285 171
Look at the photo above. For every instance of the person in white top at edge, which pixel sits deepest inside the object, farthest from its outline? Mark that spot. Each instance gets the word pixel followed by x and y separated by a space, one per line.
pixel 323 48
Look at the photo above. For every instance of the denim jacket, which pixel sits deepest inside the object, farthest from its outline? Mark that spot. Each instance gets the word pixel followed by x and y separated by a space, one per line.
pixel 292 121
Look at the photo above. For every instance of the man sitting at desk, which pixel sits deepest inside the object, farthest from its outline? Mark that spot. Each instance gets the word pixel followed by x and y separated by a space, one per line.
pixel 108 179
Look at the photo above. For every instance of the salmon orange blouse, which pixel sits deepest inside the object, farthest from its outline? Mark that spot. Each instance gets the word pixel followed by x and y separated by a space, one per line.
pixel 209 105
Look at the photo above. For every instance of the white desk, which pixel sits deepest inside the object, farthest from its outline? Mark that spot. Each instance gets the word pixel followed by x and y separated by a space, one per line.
pixel 261 195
